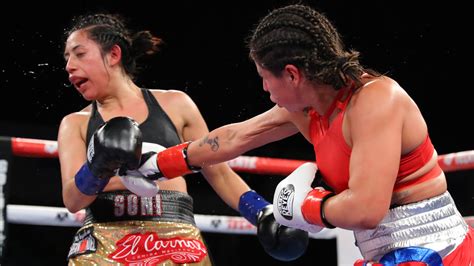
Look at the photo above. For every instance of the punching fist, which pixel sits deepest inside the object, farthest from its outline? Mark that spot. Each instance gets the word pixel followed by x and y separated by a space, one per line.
pixel 280 242
pixel 134 181
pixel 115 144
pixel 290 195
pixel 167 163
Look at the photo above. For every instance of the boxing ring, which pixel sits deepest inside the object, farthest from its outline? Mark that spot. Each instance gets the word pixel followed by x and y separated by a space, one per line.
pixel 11 147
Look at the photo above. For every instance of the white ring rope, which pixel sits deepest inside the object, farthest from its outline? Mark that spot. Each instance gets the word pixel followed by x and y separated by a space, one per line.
pixel 57 216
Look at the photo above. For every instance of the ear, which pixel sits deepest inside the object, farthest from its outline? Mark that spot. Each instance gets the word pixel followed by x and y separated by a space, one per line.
pixel 292 73
pixel 115 55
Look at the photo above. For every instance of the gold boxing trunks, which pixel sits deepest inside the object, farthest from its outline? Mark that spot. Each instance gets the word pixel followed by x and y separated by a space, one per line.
pixel 122 228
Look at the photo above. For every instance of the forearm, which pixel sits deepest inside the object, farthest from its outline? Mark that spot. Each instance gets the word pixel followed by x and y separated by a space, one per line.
pixel 220 145
pixel 226 183
pixel 231 197
pixel 73 199
pixel 82 189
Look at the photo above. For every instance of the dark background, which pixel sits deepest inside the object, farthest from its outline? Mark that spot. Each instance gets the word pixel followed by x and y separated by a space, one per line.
pixel 424 47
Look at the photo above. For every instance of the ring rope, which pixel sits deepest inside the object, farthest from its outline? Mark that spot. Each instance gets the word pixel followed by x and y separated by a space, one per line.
pixel 37 148
pixel 58 216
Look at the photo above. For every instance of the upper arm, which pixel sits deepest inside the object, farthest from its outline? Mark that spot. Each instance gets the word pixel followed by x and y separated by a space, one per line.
pixel 194 125
pixel 72 155
pixel 71 147
pixel 376 135
pixel 270 126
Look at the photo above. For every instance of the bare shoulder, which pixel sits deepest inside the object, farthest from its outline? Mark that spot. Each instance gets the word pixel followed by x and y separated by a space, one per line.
pixel 379 99
pixel 75 121
pixel 170 95
pixel 382 84
pixel 77 116
pixel 378 91
pixel 179 106
pixel 176 98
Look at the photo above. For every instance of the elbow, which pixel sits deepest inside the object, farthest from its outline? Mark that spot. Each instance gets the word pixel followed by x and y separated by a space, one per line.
pixel 370 216
pixel 233 143
pixel 71 207
pixel 367 214
pixel 73 199
pixel 72 204
pixel 369 222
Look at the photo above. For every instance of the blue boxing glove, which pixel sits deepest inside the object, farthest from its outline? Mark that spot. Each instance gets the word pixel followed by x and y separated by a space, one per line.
pixel 116 144
pixel 279 241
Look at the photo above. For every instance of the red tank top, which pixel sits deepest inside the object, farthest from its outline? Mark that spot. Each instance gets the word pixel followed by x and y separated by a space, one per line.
pixel 333 153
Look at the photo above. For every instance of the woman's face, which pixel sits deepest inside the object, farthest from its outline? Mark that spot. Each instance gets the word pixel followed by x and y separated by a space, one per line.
pixel 281 89
pixel 85 65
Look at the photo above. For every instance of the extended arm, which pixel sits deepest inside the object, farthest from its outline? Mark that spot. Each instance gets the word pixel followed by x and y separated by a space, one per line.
pixel 230 141
pixel 280 242
pixel 221 144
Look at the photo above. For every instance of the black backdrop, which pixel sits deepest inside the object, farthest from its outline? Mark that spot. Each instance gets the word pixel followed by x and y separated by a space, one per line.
pixel 423 47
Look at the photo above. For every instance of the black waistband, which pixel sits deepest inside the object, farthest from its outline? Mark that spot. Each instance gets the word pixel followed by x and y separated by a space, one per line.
pixel 123 205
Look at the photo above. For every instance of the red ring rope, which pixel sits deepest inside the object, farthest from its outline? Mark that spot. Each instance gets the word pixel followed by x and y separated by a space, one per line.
pixel 37 148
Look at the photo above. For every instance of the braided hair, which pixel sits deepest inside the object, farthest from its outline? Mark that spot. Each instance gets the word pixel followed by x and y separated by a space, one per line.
pixel 301 36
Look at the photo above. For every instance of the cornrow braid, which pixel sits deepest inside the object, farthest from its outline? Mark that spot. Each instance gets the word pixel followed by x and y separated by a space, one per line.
pixel 301 36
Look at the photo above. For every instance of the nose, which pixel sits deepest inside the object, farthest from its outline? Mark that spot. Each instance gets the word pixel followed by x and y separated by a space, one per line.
pixel 70 67
pixel 265 86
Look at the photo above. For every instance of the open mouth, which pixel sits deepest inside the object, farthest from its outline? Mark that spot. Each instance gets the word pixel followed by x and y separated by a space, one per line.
pixel 79 82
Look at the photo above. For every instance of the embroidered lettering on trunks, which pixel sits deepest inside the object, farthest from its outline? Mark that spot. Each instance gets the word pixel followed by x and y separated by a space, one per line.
pixel 132 205
pixel 150 249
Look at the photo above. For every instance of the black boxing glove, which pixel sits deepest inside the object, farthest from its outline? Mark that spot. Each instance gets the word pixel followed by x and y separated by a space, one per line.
pixel 279 241
pixel 116 144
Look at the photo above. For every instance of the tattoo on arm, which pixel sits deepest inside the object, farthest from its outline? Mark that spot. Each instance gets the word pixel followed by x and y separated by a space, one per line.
pixel 213 142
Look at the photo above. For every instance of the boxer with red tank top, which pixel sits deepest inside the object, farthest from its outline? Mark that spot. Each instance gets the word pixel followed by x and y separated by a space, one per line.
pixel 333 156
pixel 333 153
